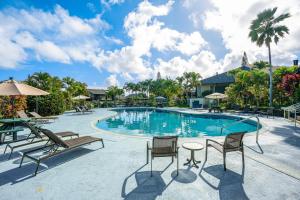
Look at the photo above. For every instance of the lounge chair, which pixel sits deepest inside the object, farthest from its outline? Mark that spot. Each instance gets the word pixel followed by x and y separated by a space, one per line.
pixel 233 142
pixel 58 146
pixel 37 137
pixel 37 116
pixel 269 112
pixel 78 109
pixel 85 109
pixel 22 114
pixel 163 147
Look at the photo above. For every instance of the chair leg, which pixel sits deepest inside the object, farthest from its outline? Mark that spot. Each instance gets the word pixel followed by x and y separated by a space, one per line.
pixel 21 161
pixel 147 155
pixel 5 149
pixel 243 158
pixel 205 154
pixel 102 143
pixel 37 167
pixel 12 149
pixel 151 165
pixel 224 160
pixel 172 159
pixel 177 164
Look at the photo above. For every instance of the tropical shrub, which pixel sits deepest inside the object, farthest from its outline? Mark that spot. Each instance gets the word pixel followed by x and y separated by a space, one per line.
pixel 9 105
pixel 61 93
pixel 52 104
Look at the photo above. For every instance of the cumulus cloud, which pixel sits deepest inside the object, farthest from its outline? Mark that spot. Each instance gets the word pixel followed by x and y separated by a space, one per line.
pixel 112 80
pixel 233 22
pixel 60 37
pixel 50 36
pixel 204 63
pixel 109 3
pixel 147 33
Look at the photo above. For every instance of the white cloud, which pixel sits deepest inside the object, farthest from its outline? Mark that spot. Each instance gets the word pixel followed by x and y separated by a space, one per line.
pixel 112 80
pixel 204 63
pixel 109 3
pixel 233 22
pixel 50 36
pixel 147 33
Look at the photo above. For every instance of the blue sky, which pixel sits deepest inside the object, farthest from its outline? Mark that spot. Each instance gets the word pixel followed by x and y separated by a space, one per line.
pixel 109 42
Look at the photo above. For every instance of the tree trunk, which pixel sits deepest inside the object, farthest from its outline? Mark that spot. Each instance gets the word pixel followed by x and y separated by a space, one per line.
pixel 271 78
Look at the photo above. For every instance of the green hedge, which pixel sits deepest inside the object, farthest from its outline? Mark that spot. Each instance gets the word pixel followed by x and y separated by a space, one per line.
pixel 52 104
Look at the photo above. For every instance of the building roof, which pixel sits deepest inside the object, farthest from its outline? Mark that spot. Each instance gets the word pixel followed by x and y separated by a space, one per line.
pixel 97 91
pixel 222 78
pixel 218 78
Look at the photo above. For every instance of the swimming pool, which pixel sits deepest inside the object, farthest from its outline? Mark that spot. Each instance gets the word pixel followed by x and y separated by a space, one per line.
pixel 156 122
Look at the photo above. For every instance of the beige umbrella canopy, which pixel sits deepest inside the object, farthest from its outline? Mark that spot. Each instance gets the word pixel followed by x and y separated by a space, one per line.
pixel 13 88
pixel 216 95
pixel 80 97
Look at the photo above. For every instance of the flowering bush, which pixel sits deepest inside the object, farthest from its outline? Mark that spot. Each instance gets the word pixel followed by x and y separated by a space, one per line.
pixel 290 83
pixel 9 105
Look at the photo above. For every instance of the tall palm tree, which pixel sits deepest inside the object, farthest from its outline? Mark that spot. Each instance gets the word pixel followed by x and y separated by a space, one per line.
pixel 265 29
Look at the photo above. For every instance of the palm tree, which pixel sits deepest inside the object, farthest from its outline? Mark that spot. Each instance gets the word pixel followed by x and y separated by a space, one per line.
pixel 113 92
pixel 195 81
pixel 265 29
pixel 190 81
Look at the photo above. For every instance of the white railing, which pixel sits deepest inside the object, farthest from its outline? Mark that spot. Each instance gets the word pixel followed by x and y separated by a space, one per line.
pixel 291 109
pixel 242 120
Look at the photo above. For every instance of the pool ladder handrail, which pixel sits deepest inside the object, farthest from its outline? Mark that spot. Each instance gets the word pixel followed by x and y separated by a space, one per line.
pixel 241 120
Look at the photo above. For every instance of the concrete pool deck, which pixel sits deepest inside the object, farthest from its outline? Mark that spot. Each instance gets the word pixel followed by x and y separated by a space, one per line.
pixel 119 171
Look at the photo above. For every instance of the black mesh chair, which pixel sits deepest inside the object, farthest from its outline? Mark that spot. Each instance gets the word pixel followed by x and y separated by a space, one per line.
pixel 163 147
pixel 233 142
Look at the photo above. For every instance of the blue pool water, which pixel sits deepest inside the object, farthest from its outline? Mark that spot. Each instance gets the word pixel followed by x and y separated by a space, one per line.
pixel 152 122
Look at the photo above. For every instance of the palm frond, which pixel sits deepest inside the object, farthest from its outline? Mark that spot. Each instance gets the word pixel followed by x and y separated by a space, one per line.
pixel 281 17
pixel 264 29
pixel 281 28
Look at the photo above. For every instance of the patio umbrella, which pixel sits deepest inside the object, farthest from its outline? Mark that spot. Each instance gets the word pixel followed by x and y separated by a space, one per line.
pixel 160 98
pixel 216 96
pixel 13 88
pixel 80 97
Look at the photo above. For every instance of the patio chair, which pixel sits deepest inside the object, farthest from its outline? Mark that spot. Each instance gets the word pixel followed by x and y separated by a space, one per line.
pixel 37 137
pixel 163 147
pixel 57 147
pixel 233 142
pixel 22 114
pixel 37 116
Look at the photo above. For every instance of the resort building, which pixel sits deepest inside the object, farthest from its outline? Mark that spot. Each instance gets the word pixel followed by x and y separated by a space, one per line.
pixel 216 83
pixel 97 94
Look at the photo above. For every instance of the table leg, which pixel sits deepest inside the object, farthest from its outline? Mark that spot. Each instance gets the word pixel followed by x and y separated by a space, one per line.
pixel 192 159
pixel 15 136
